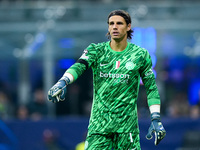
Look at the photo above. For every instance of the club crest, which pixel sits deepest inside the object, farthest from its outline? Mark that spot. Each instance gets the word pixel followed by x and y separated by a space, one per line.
pixel 130 65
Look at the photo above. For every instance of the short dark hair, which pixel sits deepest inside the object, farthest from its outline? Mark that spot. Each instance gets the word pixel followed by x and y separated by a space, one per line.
pixel 126 17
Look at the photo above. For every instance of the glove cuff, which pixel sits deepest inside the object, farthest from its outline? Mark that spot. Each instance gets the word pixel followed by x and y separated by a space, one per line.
pixel 155 116
pixel 66 79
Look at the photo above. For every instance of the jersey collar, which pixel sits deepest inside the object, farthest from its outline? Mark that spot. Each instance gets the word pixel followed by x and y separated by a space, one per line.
pixel 108 45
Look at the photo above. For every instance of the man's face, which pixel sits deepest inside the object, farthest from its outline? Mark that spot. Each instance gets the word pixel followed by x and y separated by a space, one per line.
pixel 118 28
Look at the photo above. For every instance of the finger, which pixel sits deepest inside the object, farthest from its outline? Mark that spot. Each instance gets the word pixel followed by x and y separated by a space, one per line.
pixel 54 100
pixel 163 133
pixel 56 92
pixel 57 98
pixel 49 97
pixel 159 136
pixel 149 135
pixel 156 139
pixel 63 93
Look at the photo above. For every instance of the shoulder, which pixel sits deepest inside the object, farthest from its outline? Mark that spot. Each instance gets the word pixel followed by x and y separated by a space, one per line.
pixel 97 48
pixel 97 45
pixel 138 49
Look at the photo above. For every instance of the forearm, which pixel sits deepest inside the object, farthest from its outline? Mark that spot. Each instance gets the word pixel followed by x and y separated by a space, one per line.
pixel 153 96
pixel 58 91
pixel 74 72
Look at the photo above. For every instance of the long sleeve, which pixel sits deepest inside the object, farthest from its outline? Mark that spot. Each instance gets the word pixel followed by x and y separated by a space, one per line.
pixel 84 62
pixel 148 80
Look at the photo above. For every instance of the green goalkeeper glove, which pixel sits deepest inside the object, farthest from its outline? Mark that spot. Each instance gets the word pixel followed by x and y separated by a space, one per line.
pixel 157 128
pixel 58 91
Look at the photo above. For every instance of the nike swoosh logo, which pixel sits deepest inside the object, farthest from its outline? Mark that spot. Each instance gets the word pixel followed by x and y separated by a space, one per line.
pixel 103 64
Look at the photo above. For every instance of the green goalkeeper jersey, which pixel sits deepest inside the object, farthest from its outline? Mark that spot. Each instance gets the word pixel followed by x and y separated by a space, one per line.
pixel 116 81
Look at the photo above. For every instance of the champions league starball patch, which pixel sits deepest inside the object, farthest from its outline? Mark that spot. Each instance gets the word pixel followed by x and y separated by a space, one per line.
pixel 85 51
pixel 84 55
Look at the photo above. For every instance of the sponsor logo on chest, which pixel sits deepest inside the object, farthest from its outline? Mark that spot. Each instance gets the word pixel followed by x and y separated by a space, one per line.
pixel 118 77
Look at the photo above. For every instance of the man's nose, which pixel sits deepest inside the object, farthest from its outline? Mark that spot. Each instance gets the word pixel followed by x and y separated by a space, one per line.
pixel 115 26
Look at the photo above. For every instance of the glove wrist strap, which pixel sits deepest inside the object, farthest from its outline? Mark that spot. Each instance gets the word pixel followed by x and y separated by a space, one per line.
pixel 155 116
pixel 66 79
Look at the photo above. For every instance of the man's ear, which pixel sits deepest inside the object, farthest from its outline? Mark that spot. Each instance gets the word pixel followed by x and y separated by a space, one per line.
pixel 129 27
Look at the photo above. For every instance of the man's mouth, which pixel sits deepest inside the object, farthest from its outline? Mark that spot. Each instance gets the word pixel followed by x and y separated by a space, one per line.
pixel 115 33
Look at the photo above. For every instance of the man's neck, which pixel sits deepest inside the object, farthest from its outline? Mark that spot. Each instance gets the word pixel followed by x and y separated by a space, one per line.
pixel 118 46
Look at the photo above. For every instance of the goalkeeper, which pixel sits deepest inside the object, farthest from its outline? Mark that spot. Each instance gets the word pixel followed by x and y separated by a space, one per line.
pixel 117 68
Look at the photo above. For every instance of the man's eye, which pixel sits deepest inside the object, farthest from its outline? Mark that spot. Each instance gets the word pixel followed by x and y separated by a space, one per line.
pixel 119 23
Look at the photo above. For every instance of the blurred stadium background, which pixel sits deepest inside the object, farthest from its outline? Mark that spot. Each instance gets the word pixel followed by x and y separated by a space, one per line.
pixel 39 40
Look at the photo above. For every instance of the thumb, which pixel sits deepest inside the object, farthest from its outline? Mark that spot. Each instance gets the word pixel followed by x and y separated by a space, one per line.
pixel 149 134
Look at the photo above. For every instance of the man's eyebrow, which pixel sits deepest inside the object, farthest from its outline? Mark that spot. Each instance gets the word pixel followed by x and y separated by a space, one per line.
pixel 118 22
